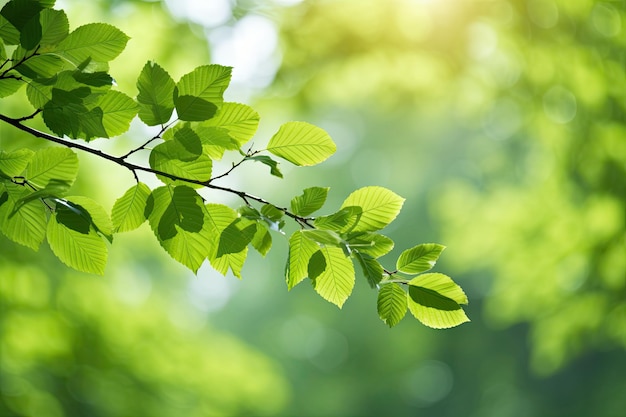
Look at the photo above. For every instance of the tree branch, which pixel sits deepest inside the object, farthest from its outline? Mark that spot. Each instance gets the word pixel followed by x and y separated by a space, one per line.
pixel 121 161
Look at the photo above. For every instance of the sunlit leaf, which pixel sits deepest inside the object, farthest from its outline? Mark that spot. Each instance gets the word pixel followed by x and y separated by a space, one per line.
pixel 324 237
pixel 9 86
pixel 239 120
pixel 392 304
pixel 379 205
pixel 420 258
pixel 182 156
pixel 336 282
pixel 14 163
pixel 199 93
pixel 100 42
pixel 52 163
pixel 311 200
pixel 128 210
pixel 54 27
pixel 118 110
pixel 262 240
pixel 266 160
pixel 82 250
pixel 317 265
pixel 301 144
pixel 342 221
pixel 236 236
pixel 372 244
pixel 220 217
pixel 156 95
pixel 300 251
pixel 27 225
pixel 434 299
pixel 177 218
pixel 100 219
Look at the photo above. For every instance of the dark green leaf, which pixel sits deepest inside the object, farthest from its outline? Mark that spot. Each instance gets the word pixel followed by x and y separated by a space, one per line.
pixel 317 265
pixel 236 236
pixel 266 160
pixel 372 269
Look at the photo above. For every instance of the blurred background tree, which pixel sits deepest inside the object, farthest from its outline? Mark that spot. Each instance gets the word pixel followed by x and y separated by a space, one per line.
pixel 501 122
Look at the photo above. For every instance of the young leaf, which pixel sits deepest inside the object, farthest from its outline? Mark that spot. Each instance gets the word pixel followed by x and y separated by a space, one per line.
pixel 81 249
pixel 271 213
pixel 156 95
pixel 26 226
pixel 392 304
pixel 60 164
pixel 239 120
pixel 311 200
pixel 199 93
pixel 434 299
pixel 335 284
pixel 419 259
pixel 9 86
pixel 300 251
pixel 99 42
pixel 379 205
pixel 301 144
pixel 128 210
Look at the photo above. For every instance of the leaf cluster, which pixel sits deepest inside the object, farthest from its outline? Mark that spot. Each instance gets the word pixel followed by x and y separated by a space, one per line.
pixel 67 82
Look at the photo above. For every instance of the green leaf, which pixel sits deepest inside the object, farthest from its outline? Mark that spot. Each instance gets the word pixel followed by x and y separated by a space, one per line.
pixel 54 188
pixel 419 259
pixel 301 144
pixel 434 299
pixel 199 93
pixel 262 240
pixel 236 236
pixel 14 163
pixel 300 251
pixel 9 86
pixel 220 217
pixel 335 284
pixel 341 221
pixel 392 304
pixel 156 95
pixel 372 269
pixel 9 33
pixel 372 244
pixel 317 265
pixel 60 164
pixel 178 219
pixel 128 210
pixel 239 120
pixel 266 160
pixel 99 42
pixel 55 27
pixel 39 66
pixel 215 141
pixel 118 110
pixel 30 33
pixel 271 213
pixel 379 205
pixel 311 200
pixel 324 237
pixel 182 156
pixel 27 225
pixel 80 249
pixel 99 218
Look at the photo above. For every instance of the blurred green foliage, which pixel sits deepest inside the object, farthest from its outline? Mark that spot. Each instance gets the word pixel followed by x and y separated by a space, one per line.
pixel 501 123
